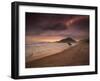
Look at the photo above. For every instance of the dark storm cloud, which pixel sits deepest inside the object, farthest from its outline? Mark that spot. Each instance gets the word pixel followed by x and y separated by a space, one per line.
pixel 56 27
pixel 79 22
pixel 83 22
pixel 37 21
pixel 82 25
pixel 42 24
pixel 34 32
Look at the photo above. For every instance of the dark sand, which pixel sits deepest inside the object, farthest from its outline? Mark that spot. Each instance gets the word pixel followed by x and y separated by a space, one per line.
pixel 77 55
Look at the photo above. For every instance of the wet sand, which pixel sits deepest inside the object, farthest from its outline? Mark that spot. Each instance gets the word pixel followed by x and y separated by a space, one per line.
pixel 76 55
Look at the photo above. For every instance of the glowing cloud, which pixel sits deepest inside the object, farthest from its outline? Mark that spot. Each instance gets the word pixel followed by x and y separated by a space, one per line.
pixel 76 19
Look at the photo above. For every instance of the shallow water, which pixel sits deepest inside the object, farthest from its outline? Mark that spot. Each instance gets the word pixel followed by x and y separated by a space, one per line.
pixel 40 50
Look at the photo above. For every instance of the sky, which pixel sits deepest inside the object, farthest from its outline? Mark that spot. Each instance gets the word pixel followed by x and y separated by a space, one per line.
pixel 44 27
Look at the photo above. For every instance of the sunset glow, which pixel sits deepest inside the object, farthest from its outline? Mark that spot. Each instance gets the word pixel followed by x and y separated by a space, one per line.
pixel 41 27
pixel 31 39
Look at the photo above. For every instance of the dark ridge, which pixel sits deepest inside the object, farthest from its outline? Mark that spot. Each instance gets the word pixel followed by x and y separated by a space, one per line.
pixel 68 40
pixel 85 40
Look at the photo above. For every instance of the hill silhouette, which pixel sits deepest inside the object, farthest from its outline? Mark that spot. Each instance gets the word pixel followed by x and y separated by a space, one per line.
pixel 68 40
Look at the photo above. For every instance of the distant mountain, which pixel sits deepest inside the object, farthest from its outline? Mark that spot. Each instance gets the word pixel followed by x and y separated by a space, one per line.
pixel 68 40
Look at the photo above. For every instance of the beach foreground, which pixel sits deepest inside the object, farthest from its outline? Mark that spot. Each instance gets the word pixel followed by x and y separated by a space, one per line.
pixel 73 56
